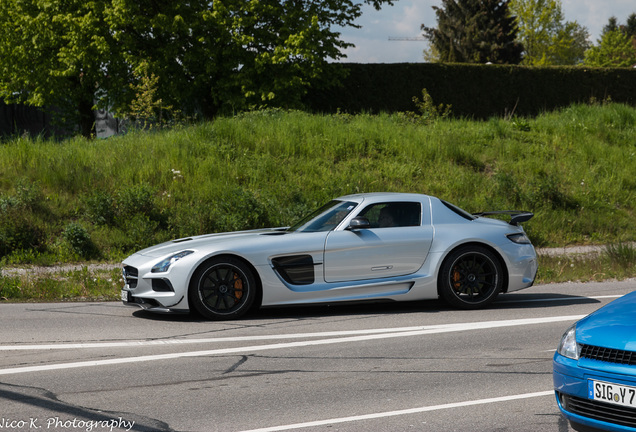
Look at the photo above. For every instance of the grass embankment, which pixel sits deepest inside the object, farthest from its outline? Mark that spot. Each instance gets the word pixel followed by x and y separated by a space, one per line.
pixel 81 200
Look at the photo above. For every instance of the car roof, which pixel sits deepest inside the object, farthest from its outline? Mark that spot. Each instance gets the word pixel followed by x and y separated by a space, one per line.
pixel 383 196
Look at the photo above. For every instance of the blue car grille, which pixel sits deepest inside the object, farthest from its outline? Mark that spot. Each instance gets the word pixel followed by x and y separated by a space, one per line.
pixel 599 411
pixel 609 355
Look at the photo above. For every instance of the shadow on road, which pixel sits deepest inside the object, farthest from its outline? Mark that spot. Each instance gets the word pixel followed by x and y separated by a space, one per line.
pixel 504 302
pixel 542 301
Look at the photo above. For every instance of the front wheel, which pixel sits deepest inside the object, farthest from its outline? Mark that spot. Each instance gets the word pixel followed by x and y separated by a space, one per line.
pixel 222 289
pixel 471 277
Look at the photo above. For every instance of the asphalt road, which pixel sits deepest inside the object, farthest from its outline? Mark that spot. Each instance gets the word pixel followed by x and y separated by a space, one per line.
pixel 382 367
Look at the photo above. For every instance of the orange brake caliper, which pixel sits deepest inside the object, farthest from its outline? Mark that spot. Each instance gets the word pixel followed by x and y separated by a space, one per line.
pixel 238 287
pixel 455 278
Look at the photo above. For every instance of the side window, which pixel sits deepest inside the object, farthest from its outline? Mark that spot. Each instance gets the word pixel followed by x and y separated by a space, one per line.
pixel 394 214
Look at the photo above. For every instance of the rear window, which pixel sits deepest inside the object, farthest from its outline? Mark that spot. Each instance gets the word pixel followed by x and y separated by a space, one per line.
pixel 455 209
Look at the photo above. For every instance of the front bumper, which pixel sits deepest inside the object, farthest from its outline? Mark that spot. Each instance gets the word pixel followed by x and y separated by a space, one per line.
pixel 158 292
pixel 150 304
pixel 571 391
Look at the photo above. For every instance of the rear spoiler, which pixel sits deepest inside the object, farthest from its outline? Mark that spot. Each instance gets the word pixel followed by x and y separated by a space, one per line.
pixel 516 216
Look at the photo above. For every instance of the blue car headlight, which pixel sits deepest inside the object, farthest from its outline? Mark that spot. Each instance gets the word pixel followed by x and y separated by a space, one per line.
pixel 163 265
pixel 568 347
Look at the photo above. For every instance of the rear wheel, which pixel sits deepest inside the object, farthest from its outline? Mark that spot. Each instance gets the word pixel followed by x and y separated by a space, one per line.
pixel 471 277
pixel 222 288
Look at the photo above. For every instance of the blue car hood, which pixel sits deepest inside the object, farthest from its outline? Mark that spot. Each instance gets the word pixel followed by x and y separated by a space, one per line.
pixel 612 326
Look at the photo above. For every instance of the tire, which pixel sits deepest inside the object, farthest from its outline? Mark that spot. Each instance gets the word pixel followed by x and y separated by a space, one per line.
pixel 471 277
pixel 222 289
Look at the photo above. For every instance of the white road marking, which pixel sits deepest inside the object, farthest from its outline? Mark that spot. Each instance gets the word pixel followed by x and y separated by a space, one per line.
pixel 403 412
pixel 140 343
pixel 379 334
pixel 213 340
pixel 438 328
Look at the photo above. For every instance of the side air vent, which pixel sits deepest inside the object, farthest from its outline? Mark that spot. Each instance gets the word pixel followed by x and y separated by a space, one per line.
pixel 295 269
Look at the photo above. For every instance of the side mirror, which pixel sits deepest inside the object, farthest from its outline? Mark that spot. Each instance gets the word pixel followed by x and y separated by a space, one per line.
pixel 359 223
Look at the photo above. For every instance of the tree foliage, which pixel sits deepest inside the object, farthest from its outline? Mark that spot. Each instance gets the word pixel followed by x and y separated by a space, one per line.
pixel 474 31
pixel 206 55
pixel 53 52
pixel 630 26
pixel 547 38
pixel 146 110
pixel 616 47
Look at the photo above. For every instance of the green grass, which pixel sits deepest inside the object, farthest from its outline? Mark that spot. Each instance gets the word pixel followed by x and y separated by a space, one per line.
pixel 84 200
pixel 615 261
pixel 83 284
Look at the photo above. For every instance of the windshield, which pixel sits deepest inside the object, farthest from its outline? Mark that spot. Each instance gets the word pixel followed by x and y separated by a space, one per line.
pixel 325 218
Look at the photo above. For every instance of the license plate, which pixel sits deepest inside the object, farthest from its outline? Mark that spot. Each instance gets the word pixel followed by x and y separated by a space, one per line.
pixel 124 295
pixel 612 393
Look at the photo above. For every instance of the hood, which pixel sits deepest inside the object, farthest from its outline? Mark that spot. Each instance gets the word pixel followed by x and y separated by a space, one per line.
pixel 612 326
pixel 197 242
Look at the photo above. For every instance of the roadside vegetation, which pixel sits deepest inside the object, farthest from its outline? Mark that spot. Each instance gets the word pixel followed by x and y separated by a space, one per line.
pixel 81 200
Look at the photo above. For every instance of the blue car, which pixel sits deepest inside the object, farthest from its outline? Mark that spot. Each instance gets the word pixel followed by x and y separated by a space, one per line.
pixel 595 369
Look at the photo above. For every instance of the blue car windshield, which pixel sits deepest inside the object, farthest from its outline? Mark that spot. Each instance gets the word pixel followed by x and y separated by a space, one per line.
pixel 325 218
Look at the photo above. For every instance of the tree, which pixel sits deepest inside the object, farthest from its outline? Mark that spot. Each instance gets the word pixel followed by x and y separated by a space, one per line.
pixel 630 26
pixel 206 55
pixel 474 31
pixel 547 39
pixel 612 25
pixel 569 45
pixel 614 49
pixel 617 46
pixel 55 53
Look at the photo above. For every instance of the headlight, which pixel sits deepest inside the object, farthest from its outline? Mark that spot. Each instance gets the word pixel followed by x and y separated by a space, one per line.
pixel 165 264
pixel 568 346
pixel 519 238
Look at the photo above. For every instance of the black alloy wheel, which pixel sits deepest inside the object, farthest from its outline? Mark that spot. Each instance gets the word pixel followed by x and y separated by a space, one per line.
pixel 222 289
pixel 471 277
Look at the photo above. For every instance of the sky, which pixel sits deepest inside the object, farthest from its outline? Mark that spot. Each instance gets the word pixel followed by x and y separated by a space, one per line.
pixel 405 17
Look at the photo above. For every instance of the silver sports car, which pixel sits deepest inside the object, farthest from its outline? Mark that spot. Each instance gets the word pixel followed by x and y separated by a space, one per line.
pixel 375 246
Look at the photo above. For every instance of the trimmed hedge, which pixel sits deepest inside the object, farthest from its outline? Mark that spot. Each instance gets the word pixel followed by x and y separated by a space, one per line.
pixel 474 91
